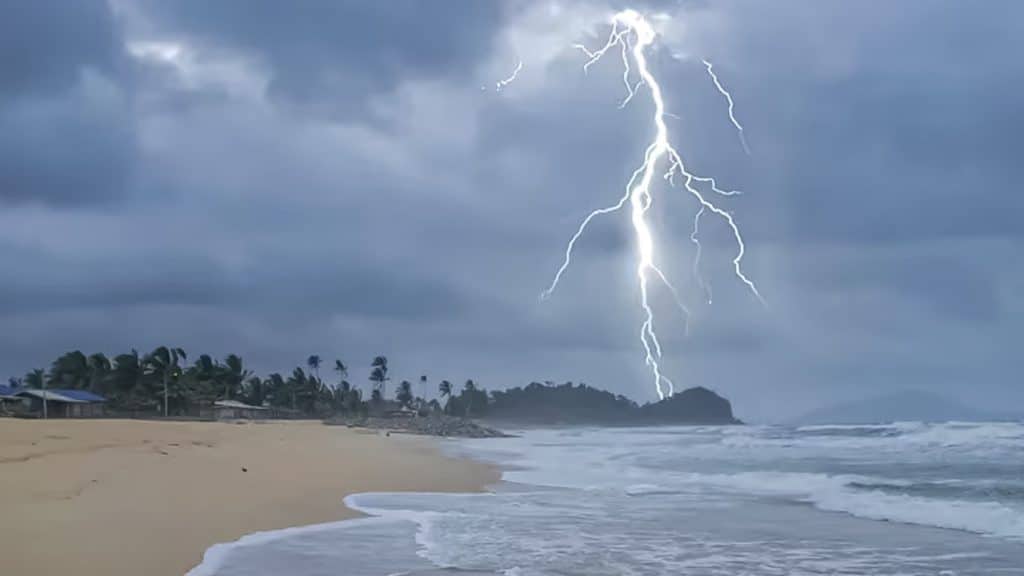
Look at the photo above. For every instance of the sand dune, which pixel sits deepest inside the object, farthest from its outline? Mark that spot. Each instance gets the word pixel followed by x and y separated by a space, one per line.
pixel 118 497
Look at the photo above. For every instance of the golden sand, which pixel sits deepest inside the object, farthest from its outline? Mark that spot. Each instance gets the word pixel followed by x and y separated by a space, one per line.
pixel 133 498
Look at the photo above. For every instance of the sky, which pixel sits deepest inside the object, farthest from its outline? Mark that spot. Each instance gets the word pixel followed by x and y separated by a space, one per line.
pixel 341 178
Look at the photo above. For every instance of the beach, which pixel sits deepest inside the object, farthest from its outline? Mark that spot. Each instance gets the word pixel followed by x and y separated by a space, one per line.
pixel 124 497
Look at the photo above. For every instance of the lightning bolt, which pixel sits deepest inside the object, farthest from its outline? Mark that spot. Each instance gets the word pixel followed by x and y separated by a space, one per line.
pixel 512 77
pixel 728 99
pixel 633 34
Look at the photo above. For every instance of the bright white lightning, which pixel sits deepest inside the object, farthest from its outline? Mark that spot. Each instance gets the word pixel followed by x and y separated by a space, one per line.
pixel 633 34
pixel 728 99
pixel 515 73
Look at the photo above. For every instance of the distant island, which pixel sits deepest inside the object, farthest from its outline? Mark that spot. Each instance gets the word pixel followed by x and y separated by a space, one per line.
pixel 163 383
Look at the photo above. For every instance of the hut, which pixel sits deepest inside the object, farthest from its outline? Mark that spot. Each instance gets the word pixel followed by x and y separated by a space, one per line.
pixel 9 403
pixel 235 410
pixel 63 403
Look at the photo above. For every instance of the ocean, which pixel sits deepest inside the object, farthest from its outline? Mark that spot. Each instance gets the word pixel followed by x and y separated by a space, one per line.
pixel 900 499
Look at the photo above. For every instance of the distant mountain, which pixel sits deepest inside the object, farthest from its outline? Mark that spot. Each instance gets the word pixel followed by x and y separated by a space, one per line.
pixel 566 404
pixel 905 405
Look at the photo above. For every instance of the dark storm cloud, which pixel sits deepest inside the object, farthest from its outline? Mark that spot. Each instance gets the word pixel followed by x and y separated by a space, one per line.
pixel 328 177
pixel 44 45
pixel 948 285
pixel 66 136
pixel 328 55
pixel 899 123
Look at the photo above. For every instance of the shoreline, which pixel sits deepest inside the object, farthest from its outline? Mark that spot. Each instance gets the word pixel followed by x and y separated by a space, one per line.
pixel 126 497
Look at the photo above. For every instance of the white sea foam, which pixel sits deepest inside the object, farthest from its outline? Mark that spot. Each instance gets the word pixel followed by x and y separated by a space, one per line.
pixel 218 555
pixel 654 465
pixel 784 502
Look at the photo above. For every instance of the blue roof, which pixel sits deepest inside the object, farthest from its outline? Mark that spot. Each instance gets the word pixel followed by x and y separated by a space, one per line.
pixel 81 395
pixel 7 391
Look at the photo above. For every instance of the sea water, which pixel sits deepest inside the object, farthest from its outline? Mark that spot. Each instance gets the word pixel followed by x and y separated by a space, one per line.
pixel 898 499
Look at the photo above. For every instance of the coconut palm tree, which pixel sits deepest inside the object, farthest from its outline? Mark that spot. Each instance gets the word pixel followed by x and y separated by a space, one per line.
pixel 423 387
pixel 35 379
pixel 99 372
pixel 341 391
pixel 469 390
pixel 126 376
pixel 404 394
pixel 70 370
pixel 445 388
pixel 234 374
pixel 206 376
pixel 278 392
pixel 379 374
pixel 164 362
pixel 255 391
pixel 314 365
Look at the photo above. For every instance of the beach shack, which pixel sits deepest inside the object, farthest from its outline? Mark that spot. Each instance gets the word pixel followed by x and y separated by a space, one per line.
pixel 9 402
pixel 63 403
pixel 235 410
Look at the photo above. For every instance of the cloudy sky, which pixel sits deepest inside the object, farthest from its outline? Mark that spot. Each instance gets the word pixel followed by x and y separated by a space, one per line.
pixel 341 178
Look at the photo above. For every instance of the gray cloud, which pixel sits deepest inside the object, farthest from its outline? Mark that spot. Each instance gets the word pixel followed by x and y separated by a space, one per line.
pixel 326 57
pixel 329 178
pixel 66 136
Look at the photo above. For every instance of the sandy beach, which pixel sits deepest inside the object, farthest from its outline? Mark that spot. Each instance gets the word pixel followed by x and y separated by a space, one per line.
pixel 121 497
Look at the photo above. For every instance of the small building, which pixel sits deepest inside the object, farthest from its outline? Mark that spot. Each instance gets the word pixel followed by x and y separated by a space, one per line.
pixel 63 403
pixel 390 409
pixel 235 410
pixel 9 403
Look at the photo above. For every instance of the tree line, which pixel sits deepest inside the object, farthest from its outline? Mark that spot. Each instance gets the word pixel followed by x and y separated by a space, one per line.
pixel 163 381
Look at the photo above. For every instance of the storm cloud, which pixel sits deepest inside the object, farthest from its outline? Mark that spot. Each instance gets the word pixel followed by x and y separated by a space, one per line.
pixel 340 178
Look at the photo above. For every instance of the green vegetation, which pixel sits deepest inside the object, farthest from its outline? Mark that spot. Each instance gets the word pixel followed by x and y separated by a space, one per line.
pixel 162 382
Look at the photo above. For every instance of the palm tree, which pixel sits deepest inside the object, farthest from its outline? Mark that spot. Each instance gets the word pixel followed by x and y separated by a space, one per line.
pixel 379 374
pixel 99 372
pixel 35 379
pixel 445 388
pixel 305 390
pixel 469 390
pixel 404 394
pixel 277 390
pixel 255 391
pixel 423 387
pixel 126 376
pixel 206 375
pixel 234 374
pixel 314 365
pixel 353 400
pixel 70 370
pixel 164 362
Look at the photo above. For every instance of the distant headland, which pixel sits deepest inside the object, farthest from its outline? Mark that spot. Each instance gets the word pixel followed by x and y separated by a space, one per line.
pixel 568 404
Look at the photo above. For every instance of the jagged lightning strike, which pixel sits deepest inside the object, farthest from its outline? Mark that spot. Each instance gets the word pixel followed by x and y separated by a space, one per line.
pixel 512 77
pixel 633 34
pixel 728 98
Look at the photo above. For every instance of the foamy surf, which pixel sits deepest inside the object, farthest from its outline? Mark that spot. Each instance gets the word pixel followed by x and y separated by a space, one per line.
pixel 903 499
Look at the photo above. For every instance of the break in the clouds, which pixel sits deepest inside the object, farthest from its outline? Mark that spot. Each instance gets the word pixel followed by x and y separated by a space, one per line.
pixel 280 180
